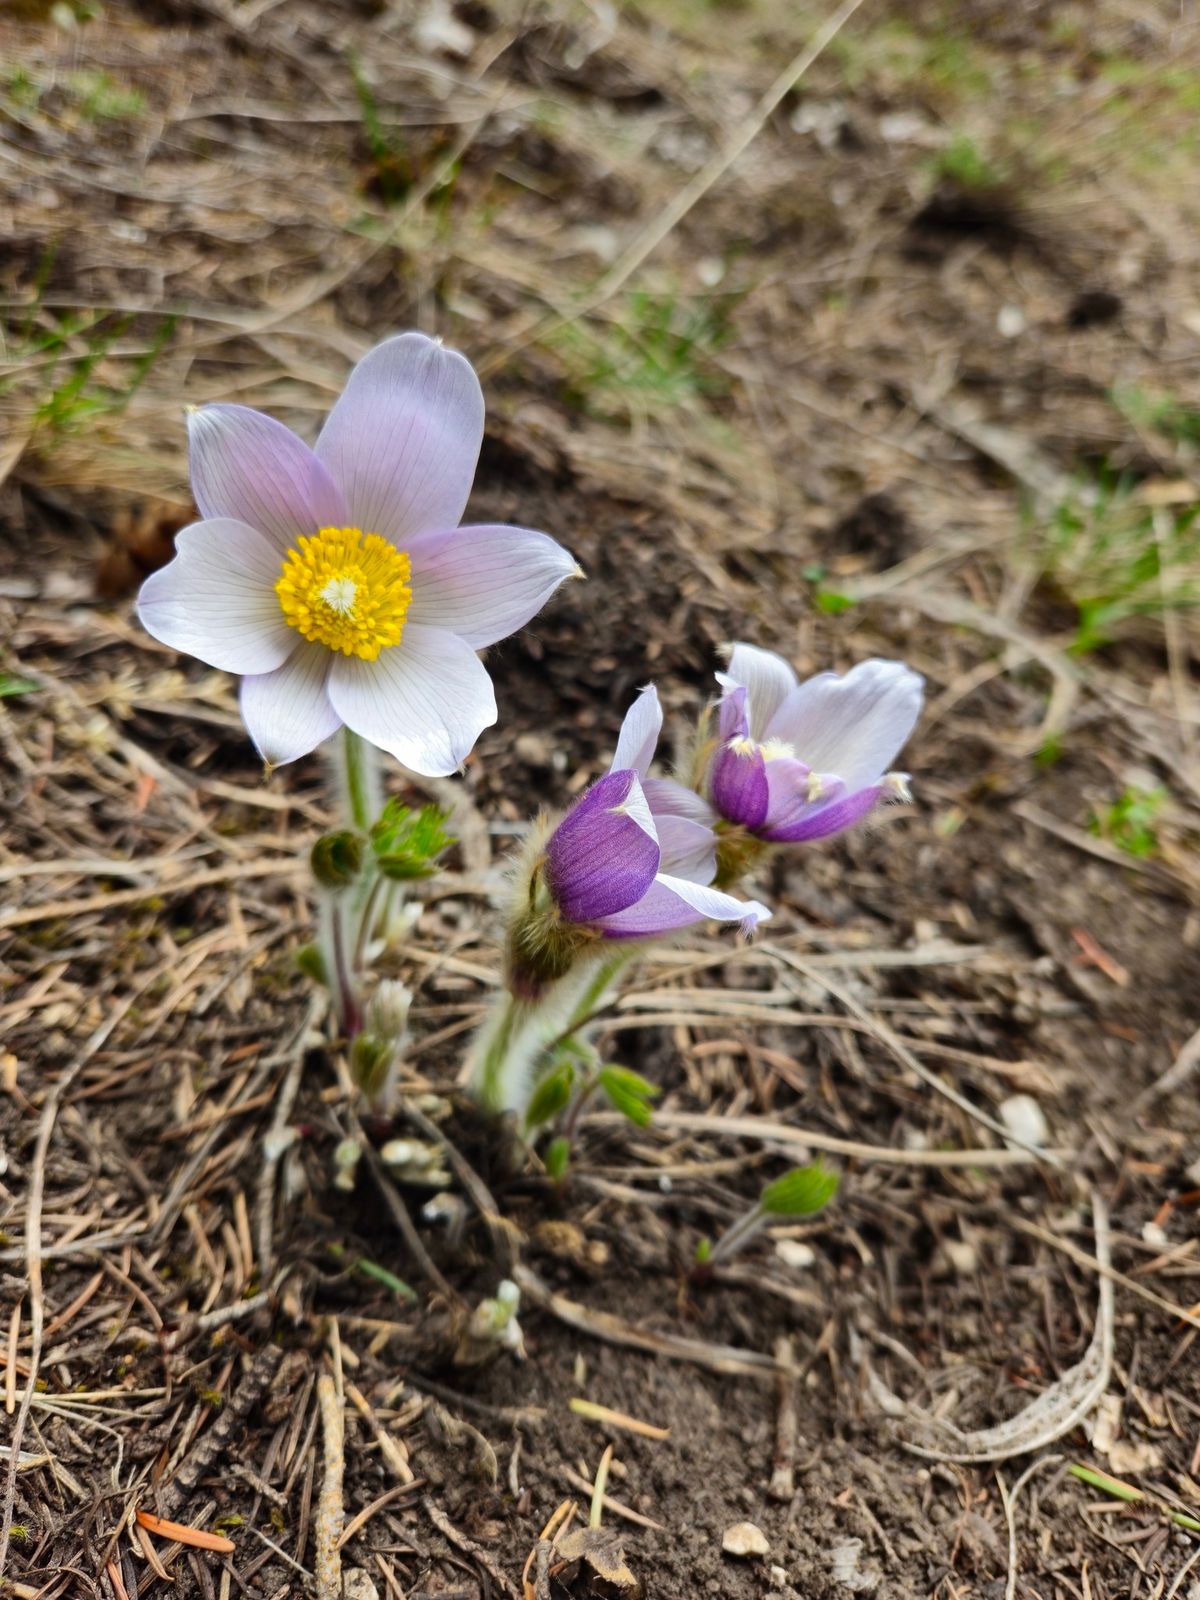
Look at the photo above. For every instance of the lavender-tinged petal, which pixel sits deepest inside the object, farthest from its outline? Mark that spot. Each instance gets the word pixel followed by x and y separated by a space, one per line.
pixel 425 700
pixel 603 855
pixel 639 734
pixel 767 678
pixel 794 790
pixel 733 718
pixel 248 466
pixel 737 783
pixel 484 583
pixel 403 440
pixel 689 849
pixel 673 903
pixel 287 712
pixel 853 724
pixel 671 799
pixel 822 820
pixel 216 601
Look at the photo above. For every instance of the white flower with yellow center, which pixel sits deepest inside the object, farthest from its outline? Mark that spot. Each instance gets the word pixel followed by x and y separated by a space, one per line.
pixel 337 580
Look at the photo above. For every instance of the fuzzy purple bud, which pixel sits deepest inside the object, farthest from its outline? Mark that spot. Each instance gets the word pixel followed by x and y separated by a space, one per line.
pixel 604 854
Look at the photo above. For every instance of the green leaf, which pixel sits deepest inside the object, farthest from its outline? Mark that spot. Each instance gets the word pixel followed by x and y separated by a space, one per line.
pixel 551 1095
pixel 832 603
pixel 557 1158
pixel 800 1192
pixel 312 963
pixel 11 684
pixel 407 843
pixel 629 1093
pixel 704 1249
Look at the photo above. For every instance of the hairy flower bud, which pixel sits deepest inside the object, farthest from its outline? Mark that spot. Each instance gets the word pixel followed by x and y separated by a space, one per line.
pixel 337 859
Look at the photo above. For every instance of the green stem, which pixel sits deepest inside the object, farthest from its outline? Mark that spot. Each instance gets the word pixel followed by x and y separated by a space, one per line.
pixel 360 780
pixel 488 1074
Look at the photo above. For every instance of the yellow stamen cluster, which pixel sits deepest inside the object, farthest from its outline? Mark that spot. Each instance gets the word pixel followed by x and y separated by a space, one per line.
pixel 346 589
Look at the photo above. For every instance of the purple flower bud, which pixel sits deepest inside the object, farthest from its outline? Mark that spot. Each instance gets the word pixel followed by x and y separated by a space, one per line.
pixel 604 854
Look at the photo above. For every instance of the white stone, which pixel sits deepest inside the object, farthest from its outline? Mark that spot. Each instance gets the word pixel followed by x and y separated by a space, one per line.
pixel 744 1539
pixel 1025 1119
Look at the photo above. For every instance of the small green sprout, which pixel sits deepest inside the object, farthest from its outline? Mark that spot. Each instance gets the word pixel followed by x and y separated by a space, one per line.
pixel 1129 821
pixel 557 1159
pixel 407 843
pixel 802 1192
pixel 963 163
pixel 629 1093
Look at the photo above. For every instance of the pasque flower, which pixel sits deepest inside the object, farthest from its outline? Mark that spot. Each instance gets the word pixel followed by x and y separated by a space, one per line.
pixel 632 859
pixel 799 761
pixel 337 580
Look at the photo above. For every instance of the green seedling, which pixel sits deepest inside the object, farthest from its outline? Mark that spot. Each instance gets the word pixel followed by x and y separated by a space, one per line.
pixel 802 1192
pixel 1117 559
pixel 1129 821
pixel 1127 1492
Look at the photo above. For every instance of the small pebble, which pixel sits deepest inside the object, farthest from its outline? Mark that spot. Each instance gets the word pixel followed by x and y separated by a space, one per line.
pixel 1025 1120
pixel 744 1539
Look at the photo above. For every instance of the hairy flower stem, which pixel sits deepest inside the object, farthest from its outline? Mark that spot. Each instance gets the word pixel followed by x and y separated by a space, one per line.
pixel 361 791
pixel 345 920
pixel 520 1039
pixel 738 1236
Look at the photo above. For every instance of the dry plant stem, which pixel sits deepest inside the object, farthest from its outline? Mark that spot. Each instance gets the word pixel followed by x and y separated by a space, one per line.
pixel 615 1330
pixel 399 1212
pixel 1009 1501
pixel 331 1511
pixel 272 1153
pixel 33 1253
pixel 904 1055
pixel 1046 1419
pixel 806 1140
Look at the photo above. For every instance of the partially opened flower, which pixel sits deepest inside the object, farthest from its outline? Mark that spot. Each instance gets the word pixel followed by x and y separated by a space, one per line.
pixel 626 862
pixel 799 761
pixel 337 580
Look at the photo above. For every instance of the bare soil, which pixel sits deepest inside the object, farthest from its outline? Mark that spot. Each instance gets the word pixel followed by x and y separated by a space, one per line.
pixel 878 379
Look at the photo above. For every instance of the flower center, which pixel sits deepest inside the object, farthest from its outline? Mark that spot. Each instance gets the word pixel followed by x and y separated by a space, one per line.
pixel 346 589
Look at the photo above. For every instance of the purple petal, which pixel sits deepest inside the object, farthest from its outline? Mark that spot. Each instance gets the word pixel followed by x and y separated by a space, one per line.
pixel 603 855
pixel 248 466
pixel 671 799
pixel 689 849
pixel 819 820
pixel 639 734
pixel 484 583
pixel 216 601
pixel 851 725
pixel 790 789
pixel 425 700
pixel 672 903
pixel 737 783
pixel 403 440
pixel 287 712
pixel 734 719
pixel 767 678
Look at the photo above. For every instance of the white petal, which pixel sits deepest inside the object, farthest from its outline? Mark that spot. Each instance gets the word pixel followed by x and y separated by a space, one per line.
pixel 767 677
pixel 639 734
pixel 671 799
pixel 484 583
pixel 852 725
pixel 287 712
pixel 672 903
pixel 689 849
pixel 403 440
pixel 217 599
pixel 425 700
pixel 248 466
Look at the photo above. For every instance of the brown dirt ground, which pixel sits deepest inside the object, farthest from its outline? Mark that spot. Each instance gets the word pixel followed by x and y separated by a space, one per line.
pixel 842 395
